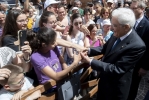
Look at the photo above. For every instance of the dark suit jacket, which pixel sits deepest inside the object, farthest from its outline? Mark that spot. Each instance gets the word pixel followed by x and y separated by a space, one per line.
pixel 143 31
pixel 117 66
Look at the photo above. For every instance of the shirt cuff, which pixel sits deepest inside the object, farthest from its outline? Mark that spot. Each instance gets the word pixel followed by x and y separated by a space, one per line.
pixel 88 51
pixel 90 61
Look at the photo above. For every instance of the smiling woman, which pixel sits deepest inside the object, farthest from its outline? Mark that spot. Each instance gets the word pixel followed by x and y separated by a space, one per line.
pixel 15 20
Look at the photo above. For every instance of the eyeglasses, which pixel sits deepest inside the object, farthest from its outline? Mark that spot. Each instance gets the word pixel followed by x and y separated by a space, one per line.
pixel 20 82
pixel 23 20
pixel 52 23
pixel 77 23
pixel 106 12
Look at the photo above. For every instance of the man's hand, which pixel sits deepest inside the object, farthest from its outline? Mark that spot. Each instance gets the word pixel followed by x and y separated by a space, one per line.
pixel 142 72
pixel 4 73
pixel 85 57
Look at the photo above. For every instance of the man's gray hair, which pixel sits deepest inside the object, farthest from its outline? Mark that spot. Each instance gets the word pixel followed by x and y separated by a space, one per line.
pixel 125 16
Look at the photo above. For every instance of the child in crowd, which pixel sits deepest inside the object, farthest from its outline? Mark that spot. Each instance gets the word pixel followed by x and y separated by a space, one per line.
pixel 16 85
pixel 46 59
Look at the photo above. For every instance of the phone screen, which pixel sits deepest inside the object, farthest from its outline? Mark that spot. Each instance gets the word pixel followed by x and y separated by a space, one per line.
pixel 22 37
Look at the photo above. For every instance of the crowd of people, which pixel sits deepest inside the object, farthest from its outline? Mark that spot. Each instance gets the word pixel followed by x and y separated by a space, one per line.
pixel 48 39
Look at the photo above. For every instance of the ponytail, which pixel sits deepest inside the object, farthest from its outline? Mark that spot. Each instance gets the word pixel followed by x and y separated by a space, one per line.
pixel 33 40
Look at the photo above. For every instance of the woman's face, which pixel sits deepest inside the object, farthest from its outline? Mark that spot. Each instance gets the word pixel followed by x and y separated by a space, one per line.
pixel 87 16
pixel 51 22
pixel 22 22
pixel 107 28
pixel 61 12
pixel 93 31
pixel 77 23
pixel 105 14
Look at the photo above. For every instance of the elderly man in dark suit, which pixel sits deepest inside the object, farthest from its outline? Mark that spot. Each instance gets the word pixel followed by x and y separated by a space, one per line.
pixel 121 52
pixel 142 29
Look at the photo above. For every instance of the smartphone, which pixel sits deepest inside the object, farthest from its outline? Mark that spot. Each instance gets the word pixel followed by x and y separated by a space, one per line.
pixel 99 31
pixel 22 37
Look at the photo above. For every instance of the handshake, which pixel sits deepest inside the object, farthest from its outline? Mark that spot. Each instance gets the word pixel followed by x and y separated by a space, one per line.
pixel 82 55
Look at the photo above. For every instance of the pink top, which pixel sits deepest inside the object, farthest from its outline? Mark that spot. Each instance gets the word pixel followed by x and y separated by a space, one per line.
pixel 96 44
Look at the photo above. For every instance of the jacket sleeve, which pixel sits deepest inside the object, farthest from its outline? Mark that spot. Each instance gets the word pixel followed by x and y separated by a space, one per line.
pixel 123 62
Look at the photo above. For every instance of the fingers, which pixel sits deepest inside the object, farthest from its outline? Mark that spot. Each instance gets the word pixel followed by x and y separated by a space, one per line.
pixel 26 43
pixel 4 73
pixel 26 49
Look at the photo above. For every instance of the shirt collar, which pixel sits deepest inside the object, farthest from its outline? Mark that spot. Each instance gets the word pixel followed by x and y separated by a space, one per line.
pixel 139 19
pixel 124 36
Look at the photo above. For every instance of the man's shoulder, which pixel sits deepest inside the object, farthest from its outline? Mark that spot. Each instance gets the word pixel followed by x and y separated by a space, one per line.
pixel 146 21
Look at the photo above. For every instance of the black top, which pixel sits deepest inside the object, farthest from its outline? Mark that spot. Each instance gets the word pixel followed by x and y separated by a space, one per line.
pixel 8 41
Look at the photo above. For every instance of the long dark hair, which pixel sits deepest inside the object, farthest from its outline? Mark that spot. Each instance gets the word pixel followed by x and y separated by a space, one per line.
pixel 44 17
pixel 44 35
pixel 11 26
pixel 74 16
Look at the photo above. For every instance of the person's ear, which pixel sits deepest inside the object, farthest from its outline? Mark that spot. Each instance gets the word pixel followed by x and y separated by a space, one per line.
pixel 6 87
pixel 44 45
pixel 44 24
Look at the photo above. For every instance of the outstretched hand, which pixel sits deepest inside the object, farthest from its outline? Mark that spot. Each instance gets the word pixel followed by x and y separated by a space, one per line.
pixel 85 57
pixel 84 30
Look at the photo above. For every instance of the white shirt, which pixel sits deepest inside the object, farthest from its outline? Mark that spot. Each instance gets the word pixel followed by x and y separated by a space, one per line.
pixel 138 21
pixel 6 56
pixel 124 36
pixel 7 95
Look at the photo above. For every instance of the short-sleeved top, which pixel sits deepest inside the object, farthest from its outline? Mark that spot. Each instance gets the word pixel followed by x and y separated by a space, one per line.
pixel 78 40
pixel 100 22
pixel 7 95
pixel 88 23
pixel 8 41
pixel 96 44
pixel 40 61
pixel 6 56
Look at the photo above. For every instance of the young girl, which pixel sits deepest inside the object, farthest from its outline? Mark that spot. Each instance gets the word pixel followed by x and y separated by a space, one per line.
pixel 15 20
pixel 46 59
pixel 75 36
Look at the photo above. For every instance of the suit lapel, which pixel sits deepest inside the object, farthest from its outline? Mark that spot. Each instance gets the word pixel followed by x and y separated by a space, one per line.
pixel 123 44
pixel 141 24
pixel 111 42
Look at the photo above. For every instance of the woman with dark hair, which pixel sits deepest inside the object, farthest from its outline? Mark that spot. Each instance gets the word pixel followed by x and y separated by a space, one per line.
pixel 16 20
pixel 93 40
pixel 48 19
pixel 50 64
pixel 87 17
pixel 75 36
pixel 105 14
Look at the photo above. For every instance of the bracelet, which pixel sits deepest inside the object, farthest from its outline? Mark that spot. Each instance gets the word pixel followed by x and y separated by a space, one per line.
pixel 27 61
